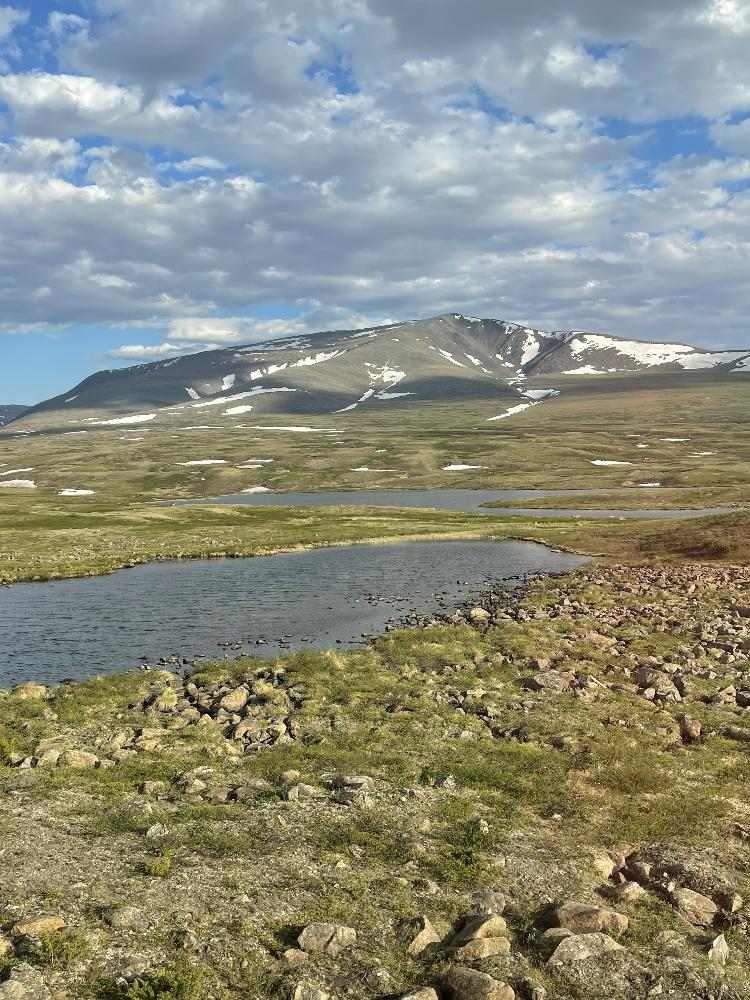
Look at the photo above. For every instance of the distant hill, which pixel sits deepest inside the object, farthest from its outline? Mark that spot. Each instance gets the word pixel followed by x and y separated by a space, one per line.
pixel 449 358
pixel 10 412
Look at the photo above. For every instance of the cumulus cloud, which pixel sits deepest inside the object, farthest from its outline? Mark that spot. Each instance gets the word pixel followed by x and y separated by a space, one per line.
pixel 371 158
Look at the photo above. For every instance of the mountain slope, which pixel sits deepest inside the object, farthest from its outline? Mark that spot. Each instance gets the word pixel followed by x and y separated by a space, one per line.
pixel 446 358
pixel 10 412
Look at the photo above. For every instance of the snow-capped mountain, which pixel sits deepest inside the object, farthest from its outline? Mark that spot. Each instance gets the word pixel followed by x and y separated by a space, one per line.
pixel 9 412
pixel 447 358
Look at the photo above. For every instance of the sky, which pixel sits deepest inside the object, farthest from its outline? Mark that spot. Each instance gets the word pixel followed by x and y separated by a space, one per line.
pixel 196 173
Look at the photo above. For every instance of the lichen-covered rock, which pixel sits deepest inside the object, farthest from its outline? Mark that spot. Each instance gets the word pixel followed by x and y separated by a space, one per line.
pixel 468 984
pixel 331 939
pixel 580 947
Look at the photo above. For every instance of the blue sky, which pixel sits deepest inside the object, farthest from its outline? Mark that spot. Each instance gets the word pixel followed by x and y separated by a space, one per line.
pixel 195 173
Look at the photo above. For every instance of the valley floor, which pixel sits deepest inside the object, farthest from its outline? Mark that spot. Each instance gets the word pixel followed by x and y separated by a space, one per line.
pixel 548 799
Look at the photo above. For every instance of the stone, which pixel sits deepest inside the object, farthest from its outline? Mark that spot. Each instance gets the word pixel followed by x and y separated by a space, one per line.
pixel 555 681
pixel 718 953
pixel 331 939
pixel 37 925
pixel 551 938
pixel 6 946
pixel 295 957
pixel 477 928
pixel 625 892
pixel 235 700
pixel 24 983
pixel 479 615
pixel 156 832
pixel 420 934
pixel 488 901
pixel 690 729
pixel 603 864
pixel 467 984
pixel 29 691
pixel 588 918
pixel 696 909
pixel 125 918
pixel 580 947
pixel 420 993
pixel 306 992
pixel 474 951
pixel 77 758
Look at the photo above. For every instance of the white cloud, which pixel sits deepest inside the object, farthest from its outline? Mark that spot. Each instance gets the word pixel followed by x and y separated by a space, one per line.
pixel 384 162
pixel 10 19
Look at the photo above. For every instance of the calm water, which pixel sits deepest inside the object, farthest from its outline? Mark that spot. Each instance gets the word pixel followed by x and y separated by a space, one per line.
pixel 465 501
pixel 76 628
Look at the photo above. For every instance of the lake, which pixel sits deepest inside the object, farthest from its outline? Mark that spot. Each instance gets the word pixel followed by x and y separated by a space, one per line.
pixel 77 628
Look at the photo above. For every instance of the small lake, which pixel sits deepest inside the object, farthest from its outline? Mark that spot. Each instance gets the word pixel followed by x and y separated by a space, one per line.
pixel 464 501
pixel 329 597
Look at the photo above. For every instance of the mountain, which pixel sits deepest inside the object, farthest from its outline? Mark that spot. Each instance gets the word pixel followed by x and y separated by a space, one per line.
pixel 10 412
pixel 446 358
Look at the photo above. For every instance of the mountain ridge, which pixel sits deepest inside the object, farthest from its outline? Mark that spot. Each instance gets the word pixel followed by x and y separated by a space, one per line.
pixel 450 356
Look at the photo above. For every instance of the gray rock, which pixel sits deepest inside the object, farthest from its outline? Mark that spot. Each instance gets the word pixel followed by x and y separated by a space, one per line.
pixel 331 939
pixel 588 918
pixel 580 947
pixel 695 908
pixel 24 983
pixel 468 984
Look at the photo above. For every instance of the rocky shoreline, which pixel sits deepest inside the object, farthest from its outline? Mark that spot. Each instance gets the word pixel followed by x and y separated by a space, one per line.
pixel 540 795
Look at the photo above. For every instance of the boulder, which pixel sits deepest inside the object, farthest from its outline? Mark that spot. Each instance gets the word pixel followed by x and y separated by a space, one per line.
pixel 486 925
pixel 24 983
pixel 235 700
pixel 580 947
pixel 475 951
pixel 420 993
pixel 468 984
pixel 77 758
pixel 418 934
pixel 696 909
pixel 29 691
pixel 588 918
pixel 37 925
pixel 304 991
pixel 718 953
pixel 330 939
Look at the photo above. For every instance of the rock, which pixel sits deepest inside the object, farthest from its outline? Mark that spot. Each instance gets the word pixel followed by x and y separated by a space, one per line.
pixel 235 701
pixel 479 615
pixel 588 918
pixel 77 758
pixel 579 947
pixel 690 729
pixel 718 953
pixel 736 733
pixel 468 984
pixel 696 909
pixel 157 832
pixel 603 863
pixel 420 934
pixel 125 917
pixel 551 938
pixel 487 901
pixel 6 946
pixel 477 928
pixel 531 990
pixel 331 939
pixel 555 681
pixel 306 992
pixel 420 993
pixel 474 951
pixel 24 983
pixel 37 925
pixel 295 957
pixel 625 892
pixel 29 691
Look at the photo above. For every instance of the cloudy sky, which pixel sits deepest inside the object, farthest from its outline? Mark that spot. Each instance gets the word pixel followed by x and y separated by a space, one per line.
pixel 201 172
